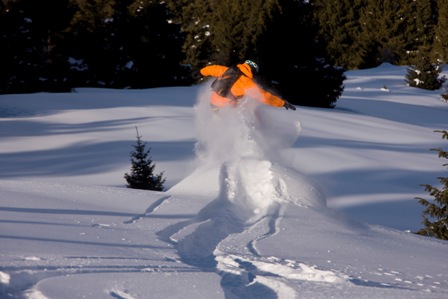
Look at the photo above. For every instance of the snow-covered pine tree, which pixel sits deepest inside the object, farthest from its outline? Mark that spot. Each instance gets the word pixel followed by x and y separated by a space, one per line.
pixel 142 170
pixel 435 216
pixel 425 75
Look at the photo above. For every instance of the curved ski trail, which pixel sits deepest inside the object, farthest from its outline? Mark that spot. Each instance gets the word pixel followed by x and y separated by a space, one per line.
pixel 253 194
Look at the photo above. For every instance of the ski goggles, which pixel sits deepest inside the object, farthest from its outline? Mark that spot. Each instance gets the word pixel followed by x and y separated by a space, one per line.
pixel 252 64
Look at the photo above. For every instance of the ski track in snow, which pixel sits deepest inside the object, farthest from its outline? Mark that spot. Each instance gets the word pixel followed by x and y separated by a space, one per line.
pixel 120 294
pixel 272 225
pixel 19 282
pixel 202 242
pixel 249 208
pixel 158 203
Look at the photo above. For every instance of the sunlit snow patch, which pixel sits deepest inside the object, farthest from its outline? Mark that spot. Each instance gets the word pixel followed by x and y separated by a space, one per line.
pixel 277 268
pixel 4 278
pixel 271 272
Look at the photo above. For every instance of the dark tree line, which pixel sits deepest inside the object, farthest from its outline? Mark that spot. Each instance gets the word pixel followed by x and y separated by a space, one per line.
pixel 365 33
pixel 302 47
pixel 54 45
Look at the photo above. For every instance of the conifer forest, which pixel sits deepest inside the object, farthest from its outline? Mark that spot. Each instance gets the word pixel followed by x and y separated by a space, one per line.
pixel 56 45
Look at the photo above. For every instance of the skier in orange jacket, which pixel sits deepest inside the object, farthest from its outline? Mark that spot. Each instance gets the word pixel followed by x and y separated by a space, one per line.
pixel 244 85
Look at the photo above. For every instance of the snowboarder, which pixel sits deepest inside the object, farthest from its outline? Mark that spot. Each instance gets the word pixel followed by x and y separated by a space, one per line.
pixel 233 83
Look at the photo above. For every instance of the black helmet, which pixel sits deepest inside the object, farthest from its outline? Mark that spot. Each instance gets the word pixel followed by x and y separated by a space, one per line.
pixel 253 65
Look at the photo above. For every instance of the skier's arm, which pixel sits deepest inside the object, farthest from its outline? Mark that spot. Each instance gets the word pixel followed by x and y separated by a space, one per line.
pixel 213 70
pixel 270 99
pixel 264 96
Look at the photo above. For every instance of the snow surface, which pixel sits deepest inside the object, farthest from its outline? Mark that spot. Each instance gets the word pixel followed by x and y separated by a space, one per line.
pixel 260 202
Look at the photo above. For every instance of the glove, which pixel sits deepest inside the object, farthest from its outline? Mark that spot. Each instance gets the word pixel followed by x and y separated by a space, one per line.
pixel 289 106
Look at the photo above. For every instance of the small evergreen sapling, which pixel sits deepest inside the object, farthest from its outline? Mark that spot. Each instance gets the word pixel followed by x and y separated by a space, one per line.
pixel 425 75
pixel 141 176
pixel 437 225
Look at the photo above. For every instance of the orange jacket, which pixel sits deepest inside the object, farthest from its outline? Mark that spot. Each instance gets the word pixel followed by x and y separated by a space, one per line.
pixel 245 85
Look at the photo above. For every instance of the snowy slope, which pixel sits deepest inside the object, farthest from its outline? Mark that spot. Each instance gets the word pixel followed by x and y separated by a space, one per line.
pixel 260 202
